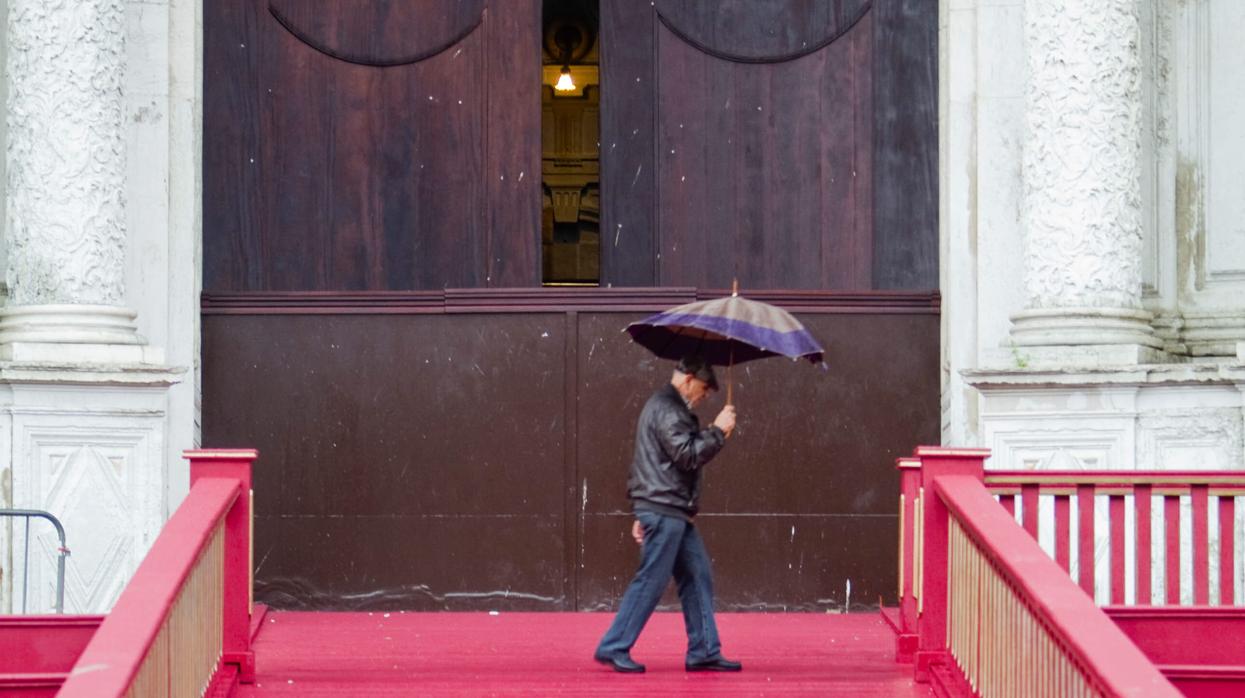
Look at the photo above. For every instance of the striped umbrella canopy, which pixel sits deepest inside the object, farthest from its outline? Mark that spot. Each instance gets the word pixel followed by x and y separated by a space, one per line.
pixel 726 331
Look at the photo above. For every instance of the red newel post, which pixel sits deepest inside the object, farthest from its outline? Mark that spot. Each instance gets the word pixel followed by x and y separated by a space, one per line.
pixel 233 464
pixel 936 462
pixel 909 489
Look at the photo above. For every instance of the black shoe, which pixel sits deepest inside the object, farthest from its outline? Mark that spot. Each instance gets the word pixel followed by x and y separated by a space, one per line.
pixel 715 664
pixel 621 663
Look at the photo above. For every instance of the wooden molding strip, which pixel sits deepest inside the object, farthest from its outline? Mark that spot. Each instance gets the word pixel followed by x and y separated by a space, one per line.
pixel 551 299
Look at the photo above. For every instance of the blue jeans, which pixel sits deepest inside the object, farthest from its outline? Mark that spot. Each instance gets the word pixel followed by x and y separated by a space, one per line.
pixel 672 547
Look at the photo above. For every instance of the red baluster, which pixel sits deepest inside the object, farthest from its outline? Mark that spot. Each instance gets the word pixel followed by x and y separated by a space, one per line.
pixel 1029 508
pixel 1116 506
pixel 1085 514
pixel 1142 502
pixel 1227 550
pixel 1009 503
pixel 1171 519
pixel 1201 547
pixel 1063 531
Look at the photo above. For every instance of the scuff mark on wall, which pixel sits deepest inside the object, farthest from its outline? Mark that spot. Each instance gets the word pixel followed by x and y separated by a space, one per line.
pixel 1190 227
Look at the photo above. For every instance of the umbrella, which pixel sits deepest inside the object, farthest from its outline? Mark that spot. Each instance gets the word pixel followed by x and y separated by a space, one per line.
pixel 726 331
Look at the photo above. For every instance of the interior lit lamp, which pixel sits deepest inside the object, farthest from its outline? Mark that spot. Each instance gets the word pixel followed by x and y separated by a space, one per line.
pixel 567 38
pixel 565 83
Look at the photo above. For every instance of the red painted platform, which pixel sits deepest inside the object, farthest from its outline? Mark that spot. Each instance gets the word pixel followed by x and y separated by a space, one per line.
pixel 543 654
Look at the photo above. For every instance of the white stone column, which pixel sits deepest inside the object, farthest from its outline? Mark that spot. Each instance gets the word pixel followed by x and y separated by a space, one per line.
pixel 84 402
pixel 65 190
pixel 1082 168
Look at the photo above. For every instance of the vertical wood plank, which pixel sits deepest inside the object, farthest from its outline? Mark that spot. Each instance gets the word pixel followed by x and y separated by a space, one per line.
pixel 1141 500
pixel 232 191
pixel 1201 546
pixel 628 142
pixel 513 131
pixel 1171 521
pixel 1085 532
pixel 905 174
pixel 1227 550
pixel 1116 509
pixel 1063 531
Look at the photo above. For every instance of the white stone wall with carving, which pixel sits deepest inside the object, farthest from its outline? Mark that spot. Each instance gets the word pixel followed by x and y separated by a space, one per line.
pixel 1162 183
pixel 1082 160
pixel 127 455
pixel 163 90
pixel 88 450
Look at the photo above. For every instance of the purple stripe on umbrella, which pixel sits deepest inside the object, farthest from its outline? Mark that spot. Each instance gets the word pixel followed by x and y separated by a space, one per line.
pixel 793 344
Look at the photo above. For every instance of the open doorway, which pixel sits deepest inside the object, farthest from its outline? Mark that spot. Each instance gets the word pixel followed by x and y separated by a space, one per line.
pixel 570 144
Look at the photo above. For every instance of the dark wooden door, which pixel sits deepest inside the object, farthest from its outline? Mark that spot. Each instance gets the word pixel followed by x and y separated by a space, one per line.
pixel 371 165
pixel 788 143
pixel 367 144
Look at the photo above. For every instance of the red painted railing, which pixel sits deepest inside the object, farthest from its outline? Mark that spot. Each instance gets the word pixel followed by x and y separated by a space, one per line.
pixel 181 626
pixel 1153 501
pixel 985 611
pixel 37 652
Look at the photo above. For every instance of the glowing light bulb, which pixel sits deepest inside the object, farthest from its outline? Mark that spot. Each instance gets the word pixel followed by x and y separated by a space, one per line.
pixel 565 83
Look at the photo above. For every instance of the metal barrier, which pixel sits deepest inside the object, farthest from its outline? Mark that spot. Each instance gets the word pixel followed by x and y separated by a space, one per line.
pixel 63 551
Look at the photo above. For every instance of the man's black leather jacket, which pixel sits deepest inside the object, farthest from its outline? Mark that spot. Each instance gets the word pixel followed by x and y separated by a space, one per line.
pixel 670 449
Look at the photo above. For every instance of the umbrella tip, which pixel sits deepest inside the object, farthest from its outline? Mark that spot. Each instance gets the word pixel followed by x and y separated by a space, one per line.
pixel 735 287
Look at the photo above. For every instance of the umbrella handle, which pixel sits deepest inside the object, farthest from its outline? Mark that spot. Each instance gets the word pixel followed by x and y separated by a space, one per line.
pixel 730 384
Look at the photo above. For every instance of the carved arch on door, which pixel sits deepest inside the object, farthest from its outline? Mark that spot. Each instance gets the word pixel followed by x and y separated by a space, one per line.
pixel 746 31
pixel 381 34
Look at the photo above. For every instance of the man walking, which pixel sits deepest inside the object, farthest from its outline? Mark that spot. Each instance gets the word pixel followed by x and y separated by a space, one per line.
pixel 664 487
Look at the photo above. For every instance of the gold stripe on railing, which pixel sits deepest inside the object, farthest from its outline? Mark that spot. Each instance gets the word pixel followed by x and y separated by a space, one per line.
pixel 918 568
pixel 187 650
pixel 901 550
pixel 250 550
pixel 1002 648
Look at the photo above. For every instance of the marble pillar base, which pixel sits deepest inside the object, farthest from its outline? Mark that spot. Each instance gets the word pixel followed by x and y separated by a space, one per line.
pixel 1079 337
pixel 1083 327
pixel 73 334
pixel 1074 356
pixel 89 446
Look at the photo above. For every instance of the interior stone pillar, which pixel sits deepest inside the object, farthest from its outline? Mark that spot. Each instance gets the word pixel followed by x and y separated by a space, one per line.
pixel 65 189
pixel 1082 166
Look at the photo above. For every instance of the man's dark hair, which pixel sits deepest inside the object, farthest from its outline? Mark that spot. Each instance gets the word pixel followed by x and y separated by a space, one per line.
pixel 695 365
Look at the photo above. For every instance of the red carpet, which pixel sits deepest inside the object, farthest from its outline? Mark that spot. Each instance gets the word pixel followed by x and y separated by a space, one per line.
pixel 545 654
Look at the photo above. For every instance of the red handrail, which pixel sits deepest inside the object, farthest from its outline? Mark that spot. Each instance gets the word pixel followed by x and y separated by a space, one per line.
pixel 212 522
pixel 1096 645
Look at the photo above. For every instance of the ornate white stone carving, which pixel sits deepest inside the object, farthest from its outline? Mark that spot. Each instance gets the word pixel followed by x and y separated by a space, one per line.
pixel 66 152
pixel 89 448
pixel 1190 439
pixel 1082 166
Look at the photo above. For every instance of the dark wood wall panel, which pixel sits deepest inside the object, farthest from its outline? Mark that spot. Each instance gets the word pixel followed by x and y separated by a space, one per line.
pixel 906 144
pixel 472 460
pixel 758 165
pixel 747 147
pixel 415 457
pixel 384 173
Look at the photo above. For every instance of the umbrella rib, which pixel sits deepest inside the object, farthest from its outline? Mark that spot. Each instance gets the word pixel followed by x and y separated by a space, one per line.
pixel 674 336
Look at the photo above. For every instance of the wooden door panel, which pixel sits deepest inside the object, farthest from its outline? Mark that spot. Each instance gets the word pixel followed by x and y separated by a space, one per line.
pixel 364 145
pixel 741 140
pixel 759 167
